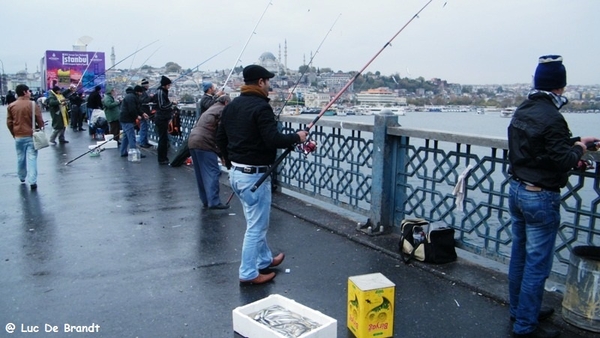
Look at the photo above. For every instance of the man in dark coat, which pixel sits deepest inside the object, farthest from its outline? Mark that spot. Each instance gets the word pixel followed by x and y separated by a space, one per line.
pixel 248 138
pixel 541 154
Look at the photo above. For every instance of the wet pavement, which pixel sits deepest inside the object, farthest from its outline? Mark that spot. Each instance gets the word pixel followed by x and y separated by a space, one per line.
pixel 127 247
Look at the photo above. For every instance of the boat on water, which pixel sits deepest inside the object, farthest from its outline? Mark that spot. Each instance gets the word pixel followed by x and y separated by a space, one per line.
pixel 310 111
pixel 396 110
pixel 507 112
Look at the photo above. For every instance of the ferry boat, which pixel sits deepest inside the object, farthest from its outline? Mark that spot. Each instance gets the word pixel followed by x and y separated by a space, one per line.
pixel 507 112
pixel 396 110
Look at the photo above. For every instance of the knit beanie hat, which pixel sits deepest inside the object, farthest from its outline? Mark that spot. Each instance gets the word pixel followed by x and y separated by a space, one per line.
pixel 144 82
pixel 550 73
pixel 206 86
pixel 164 80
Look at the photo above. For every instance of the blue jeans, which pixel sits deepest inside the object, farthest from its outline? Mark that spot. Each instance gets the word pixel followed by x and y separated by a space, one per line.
pixel 143 132
pixel 26 159
pixel 128 139
pixel 206 168
pixel 257 208
pixel 535 220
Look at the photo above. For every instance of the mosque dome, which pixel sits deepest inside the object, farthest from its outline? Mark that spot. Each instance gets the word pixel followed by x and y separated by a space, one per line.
pixel 267 56
pixel 269 61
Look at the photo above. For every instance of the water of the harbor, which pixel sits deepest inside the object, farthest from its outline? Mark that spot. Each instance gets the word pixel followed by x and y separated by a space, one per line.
pixel 488 124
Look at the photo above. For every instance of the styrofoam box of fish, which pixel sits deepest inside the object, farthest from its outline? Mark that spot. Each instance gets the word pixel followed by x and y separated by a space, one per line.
pixel 245 324
pixel 112 144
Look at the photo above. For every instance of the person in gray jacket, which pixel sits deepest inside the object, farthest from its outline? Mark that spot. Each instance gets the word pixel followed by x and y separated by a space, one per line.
pixel 205 154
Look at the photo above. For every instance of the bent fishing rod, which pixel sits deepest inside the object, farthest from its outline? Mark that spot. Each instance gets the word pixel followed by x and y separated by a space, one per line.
pixel 306 147
pixel 246 45
pixel 113 66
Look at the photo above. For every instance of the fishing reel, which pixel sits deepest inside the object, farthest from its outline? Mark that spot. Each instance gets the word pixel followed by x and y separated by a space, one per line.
pixel 306 147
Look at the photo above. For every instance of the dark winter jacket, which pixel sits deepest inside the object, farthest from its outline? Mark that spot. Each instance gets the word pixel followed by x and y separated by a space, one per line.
pixel 248 131
pixel 94 101
pixel 206 101
pixel 164 109
pixel 541 149
pixel 130 108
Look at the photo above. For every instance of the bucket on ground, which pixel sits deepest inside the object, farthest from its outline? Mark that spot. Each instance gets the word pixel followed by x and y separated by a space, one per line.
pixel 581 302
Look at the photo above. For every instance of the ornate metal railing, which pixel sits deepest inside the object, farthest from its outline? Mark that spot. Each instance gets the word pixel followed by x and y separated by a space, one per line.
pixel 388 173
pixel 420 170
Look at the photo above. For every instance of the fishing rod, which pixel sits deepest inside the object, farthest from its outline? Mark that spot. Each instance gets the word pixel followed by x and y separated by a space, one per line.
pixel 307 67
pixel 246 45
pixel 86 69
pixel 93 149
pixel 200 64
pixel 142 65
pixel 308 147
pixel 113 66
pixel 297 82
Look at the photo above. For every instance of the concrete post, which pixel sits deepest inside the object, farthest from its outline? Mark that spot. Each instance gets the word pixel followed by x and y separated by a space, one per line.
pixel 381 215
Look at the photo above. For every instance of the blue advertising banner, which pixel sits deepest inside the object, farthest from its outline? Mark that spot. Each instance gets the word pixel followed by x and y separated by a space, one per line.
pixel 84 69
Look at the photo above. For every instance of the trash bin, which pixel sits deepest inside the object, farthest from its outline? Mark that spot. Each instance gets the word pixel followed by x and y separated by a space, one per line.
pixel 581 302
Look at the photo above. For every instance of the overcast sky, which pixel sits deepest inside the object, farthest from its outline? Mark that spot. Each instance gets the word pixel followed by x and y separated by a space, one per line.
pixel 461 41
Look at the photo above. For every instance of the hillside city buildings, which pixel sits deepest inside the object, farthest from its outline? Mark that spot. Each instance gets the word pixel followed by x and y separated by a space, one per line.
pixel 316 88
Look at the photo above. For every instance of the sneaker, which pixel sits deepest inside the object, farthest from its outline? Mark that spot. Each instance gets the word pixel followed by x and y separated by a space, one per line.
pixel 81 129
pixel 145 145
pixel 33 186
pixel 63 141
pixel 52 143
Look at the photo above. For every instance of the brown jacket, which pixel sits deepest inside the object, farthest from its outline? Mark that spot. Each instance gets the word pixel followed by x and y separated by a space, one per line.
pixel 204 132
pixel 19 118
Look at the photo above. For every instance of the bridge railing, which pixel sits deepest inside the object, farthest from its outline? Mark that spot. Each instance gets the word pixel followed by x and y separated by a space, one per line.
pixel 387 173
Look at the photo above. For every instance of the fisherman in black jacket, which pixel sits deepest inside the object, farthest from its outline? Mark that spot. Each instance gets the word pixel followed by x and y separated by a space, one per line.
pixel 248 138
pixel 131 110
pixel 164 113
pixel 541 154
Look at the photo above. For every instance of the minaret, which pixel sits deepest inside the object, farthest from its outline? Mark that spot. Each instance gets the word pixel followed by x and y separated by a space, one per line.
pixel 112 56
pixel 285 55
pixel 279 59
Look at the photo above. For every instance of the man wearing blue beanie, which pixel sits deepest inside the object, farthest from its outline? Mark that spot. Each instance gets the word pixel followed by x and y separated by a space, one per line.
pixel 210 96
pixel 541 152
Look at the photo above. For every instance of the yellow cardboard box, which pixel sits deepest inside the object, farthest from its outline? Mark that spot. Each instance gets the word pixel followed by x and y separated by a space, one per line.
pixel 371 305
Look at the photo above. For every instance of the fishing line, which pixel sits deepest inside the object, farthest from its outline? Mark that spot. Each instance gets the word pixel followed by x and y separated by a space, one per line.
pixel 337 96
pixel 307 67
pixel 128 56
pixel 246 45
pixel 142 65
pixel 200 64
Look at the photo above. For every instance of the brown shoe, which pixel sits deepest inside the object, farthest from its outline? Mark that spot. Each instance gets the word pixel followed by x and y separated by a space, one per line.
pixel 260 279
pixel 277 260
